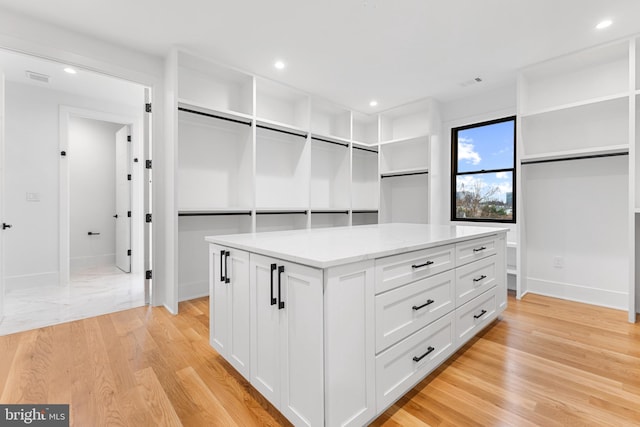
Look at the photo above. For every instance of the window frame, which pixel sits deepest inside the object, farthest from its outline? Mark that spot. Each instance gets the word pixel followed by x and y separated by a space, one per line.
pixel 455 174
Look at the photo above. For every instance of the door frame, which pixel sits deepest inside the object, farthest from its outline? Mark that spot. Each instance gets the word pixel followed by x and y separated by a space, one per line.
pixel 137 186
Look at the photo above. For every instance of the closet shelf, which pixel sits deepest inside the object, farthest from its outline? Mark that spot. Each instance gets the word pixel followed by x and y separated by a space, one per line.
pixel 611 150
pixel 408 139
pixel 574 104
pixel 331 139
pixel 404 172
pixel 213 212
pixel 281 127
pixel 512 271
pixel 199 108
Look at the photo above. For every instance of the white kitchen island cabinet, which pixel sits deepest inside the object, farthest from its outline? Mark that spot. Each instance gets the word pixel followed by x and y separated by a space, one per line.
pixel 342 322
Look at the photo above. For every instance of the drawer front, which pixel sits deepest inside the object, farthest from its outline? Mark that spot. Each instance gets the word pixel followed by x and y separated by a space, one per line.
pixel 475 315
pixel 398 270
pixel 476 249
pixel 474 279
pixel 402 311
pixel 402 366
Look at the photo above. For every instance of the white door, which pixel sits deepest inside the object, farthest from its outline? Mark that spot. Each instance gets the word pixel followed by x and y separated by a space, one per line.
pixel 265 328
pixel 301 344
pixel 123 200
pixel 148 247
pixel 2 201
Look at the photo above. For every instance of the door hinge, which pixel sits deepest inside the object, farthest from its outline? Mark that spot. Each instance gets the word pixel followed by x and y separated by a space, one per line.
pixel 129 177
pixel 148 164
pixel 148 218
pixel 128 214
pixel 148 275
pixel 147 107
pixel 128 252
pixel 128 138
pixel 63 153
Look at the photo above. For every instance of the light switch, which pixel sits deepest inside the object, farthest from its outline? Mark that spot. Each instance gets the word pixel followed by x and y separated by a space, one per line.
pixel 33 197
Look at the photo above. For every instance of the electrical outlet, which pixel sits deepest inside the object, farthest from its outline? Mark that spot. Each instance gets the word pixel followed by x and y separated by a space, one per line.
pixel 558 262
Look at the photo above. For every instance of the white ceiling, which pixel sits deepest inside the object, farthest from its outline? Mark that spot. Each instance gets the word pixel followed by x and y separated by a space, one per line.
pixel 351 51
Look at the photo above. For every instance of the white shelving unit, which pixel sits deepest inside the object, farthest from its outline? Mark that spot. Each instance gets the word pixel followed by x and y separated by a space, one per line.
pixel 255 155
pixel 576 177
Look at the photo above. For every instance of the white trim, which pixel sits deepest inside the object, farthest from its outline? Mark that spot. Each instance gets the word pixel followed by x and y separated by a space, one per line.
pixel 578 293
pixel 28 281
pixel 137 231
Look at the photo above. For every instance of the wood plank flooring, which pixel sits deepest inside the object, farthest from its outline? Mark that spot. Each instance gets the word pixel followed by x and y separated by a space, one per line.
pixel 548 362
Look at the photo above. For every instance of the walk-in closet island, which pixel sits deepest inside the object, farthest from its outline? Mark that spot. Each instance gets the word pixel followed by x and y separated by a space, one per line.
pixel 333 325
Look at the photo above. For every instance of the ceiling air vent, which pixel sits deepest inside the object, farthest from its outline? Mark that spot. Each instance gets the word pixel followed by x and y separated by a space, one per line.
pixel 43 78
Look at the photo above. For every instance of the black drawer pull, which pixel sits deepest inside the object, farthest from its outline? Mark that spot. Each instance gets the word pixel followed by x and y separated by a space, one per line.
pixel 226 267
pixel 477 279
pixel 482 313
pixel 273 268
pixel 418 307
pixel 222 278
pixel 280 302
pixel 482 248
pixel 429 351
pixel 422 265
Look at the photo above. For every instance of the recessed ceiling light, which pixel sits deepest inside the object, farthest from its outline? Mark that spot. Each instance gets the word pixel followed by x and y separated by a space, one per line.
pixel 604 24
pixel 70 70
pixel 373 103
pixel 279 65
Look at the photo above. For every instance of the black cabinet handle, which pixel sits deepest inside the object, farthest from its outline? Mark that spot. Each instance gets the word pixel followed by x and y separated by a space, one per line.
pixel 92 233
pixel 227 279
pixel 273 268
pixel 414 266
pixel 280 303
pixel 482 313
pixel 477 279
pixel 222 278
pixel 418 307
pixel 482 248
pixel 5 226
pixel 429 351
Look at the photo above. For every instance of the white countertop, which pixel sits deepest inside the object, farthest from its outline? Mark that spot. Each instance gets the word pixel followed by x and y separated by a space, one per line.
pixel 329 247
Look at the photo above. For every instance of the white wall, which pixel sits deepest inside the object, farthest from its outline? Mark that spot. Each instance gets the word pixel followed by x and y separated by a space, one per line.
pixel 32 160
pixel 92 192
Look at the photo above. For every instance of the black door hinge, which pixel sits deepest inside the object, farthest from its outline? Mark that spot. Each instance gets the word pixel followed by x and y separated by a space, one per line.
pixel 128 252
pixel 148 164
pixel 129 177
pixel 148 275
pixel 148 217
pixel 147 108
pixel 129 214
pixel 128 138
pixel 63 153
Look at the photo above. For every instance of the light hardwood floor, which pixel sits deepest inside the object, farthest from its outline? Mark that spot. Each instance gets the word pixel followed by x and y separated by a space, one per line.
pixel 547 362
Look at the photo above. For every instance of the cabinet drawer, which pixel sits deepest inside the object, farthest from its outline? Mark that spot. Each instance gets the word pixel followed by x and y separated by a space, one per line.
pixel 402 366
pixel 475 315
pixel 401 269
pixel 476 249
pixel 402 311
pixel 474 279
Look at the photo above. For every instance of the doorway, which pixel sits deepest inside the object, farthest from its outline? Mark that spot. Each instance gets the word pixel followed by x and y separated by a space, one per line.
pixel 38 202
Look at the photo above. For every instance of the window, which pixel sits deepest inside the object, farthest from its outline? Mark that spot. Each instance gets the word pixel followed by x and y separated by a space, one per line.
pixel 483 171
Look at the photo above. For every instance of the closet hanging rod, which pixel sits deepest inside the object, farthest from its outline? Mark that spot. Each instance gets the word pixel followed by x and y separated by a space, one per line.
pixel 564 159
pixel 365 211
pixel 213 213
pixel 288 132
pixel 281 212
pixel 215 116
pixel 365 149
pixel 342 144
pixel 329 212
pixel 393 175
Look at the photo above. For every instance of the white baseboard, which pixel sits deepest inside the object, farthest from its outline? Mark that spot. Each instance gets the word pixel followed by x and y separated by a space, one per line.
pixel 32 280
pixel 578 293
pixel 187 291
pixel 82 262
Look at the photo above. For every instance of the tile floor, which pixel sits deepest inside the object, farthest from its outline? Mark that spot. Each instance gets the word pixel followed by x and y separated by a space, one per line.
pixel 92 292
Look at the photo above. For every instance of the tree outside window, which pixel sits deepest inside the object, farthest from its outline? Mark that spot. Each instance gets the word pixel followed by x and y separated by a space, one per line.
pixel 483 171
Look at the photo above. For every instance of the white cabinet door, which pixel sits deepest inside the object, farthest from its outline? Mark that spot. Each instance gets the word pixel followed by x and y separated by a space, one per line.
pixel 265 331
pixel 301 344
pixel 287 349
pixel 229 306
pixel 238 320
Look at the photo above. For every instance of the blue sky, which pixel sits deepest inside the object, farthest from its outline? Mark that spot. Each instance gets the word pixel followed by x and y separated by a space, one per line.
pixel 486 147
